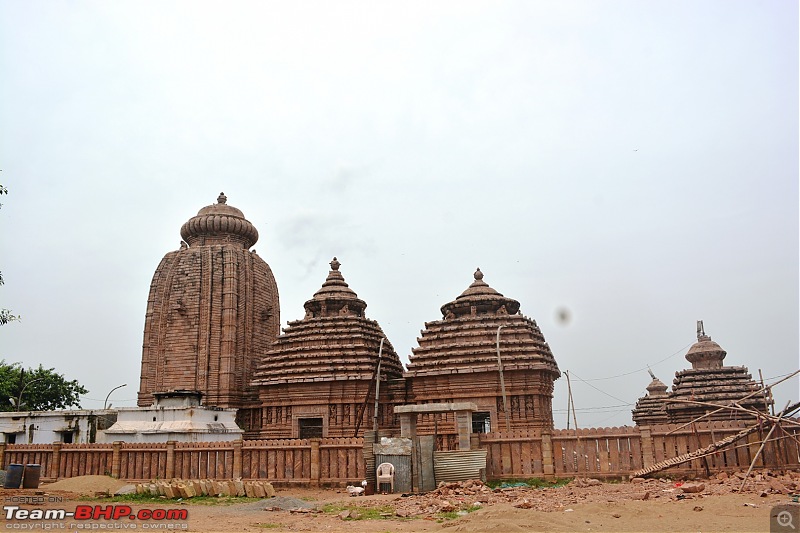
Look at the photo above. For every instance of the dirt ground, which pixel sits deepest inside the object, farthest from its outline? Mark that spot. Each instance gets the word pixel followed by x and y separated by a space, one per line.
pixel 583 505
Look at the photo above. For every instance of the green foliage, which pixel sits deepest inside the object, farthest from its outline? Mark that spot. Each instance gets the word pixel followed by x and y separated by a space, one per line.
pixel 42 389
pixel 5 314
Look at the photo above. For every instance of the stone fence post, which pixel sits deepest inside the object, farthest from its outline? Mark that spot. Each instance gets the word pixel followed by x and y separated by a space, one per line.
pixel 648 456
pixel 55 461
pixel 170 469
pixel 116 458
pixel 315 470
pixel 547 456
pixel 237 459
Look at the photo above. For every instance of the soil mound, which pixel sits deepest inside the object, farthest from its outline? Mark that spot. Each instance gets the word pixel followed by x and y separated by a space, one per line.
pixel 87 484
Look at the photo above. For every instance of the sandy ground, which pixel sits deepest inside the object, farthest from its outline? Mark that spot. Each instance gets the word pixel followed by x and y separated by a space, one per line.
pixel 657 506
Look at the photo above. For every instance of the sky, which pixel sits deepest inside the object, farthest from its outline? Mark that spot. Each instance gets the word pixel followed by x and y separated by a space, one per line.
pixel 621 168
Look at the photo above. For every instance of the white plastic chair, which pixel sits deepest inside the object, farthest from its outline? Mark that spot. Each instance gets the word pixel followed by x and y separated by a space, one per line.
pixel 385 474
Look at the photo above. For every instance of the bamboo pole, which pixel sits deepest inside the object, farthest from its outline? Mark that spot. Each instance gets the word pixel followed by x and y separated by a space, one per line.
pixel 753 412
pixel 502 380
pixel 763 443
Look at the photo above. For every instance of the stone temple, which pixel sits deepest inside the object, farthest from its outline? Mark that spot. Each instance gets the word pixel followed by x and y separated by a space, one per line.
pixel 213 326
pixel 212 312
pixel 319 377
pixel 457 361
pixel 707 381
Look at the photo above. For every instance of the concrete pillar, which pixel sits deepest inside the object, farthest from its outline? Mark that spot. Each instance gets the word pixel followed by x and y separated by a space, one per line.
pixel 408 425
pixel 648 456
pixel 464 428
pixel 315 470
pixel 237 459
pixel 170 473
pixel 547 456
pixel 116 458
pixel 55 461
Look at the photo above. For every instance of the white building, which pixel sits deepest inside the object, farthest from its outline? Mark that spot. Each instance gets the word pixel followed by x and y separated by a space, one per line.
pixel 176 416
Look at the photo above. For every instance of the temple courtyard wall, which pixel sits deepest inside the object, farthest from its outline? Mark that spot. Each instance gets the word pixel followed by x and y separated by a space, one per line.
pixel 597 452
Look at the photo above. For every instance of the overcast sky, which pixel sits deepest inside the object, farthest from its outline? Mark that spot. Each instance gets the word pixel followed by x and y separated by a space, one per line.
pixel 632 165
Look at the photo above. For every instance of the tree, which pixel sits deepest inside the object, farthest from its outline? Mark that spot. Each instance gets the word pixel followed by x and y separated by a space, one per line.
pixel 40 389
pixel 5 314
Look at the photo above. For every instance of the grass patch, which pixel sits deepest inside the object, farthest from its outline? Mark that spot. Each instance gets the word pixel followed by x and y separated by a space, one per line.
pixel 365 513
pixel 458 513
pixel 148 498
pixel 534 482
pixel 267 526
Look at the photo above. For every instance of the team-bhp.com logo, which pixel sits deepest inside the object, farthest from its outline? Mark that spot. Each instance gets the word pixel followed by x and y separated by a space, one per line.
pixel 25 519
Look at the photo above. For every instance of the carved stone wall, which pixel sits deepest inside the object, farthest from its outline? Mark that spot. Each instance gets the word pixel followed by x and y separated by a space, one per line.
pixel 212 310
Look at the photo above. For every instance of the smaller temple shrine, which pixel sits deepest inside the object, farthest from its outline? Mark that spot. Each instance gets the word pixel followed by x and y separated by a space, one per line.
pixel 319 379
pixel 651 408
pixel 709 382
pixel 485 352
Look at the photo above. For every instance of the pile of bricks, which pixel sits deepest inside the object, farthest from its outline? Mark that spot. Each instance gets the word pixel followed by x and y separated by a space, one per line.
pixel 179 488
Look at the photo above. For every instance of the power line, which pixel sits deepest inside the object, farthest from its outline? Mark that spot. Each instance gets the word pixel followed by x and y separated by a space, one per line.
pixel 598 390
pixel 640 369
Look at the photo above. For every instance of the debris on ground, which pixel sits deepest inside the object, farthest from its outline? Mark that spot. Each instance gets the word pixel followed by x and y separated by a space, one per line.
pixel 467 496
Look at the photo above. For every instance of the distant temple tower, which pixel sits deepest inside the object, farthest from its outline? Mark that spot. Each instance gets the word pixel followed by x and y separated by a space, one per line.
pixel 319 378
pixel 707 381
pixel 457 361
pixel 212 311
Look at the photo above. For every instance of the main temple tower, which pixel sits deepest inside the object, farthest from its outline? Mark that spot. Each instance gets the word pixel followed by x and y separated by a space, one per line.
pixel 212 311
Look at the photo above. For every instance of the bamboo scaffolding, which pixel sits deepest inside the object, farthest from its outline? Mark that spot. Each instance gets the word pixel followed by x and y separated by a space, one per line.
pixel 713 447
pixel 739 400
pixel 756 413
pixel 763 443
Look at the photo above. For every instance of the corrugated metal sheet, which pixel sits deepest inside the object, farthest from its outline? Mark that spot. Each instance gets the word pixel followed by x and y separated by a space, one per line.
pixel 458 465
pixel 402 470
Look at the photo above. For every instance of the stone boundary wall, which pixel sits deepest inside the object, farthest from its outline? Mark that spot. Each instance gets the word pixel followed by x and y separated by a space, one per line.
pixel 312 462
pixel 594 452
pixel 617 451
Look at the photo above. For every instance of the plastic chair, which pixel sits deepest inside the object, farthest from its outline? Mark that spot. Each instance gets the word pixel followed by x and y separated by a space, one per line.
pixel 385 474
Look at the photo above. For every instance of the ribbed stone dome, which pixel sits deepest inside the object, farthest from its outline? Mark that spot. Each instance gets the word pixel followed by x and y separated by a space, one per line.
pixel 705 353
pixel 481 295
pixel 335 297
pixel 212 311
pixel 219 224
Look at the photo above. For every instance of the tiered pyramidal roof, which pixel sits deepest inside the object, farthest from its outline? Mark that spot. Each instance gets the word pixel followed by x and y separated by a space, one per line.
pixel 707 381
pixel 333 342
pixel 651 408
pixel 464 341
